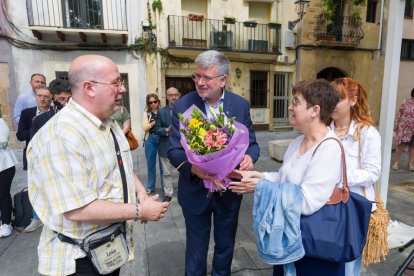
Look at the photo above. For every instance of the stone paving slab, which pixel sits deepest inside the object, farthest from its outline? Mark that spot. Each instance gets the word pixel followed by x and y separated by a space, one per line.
pixel 160 246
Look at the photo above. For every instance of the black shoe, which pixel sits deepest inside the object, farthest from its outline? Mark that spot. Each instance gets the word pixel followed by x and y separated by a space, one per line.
pixel 166 199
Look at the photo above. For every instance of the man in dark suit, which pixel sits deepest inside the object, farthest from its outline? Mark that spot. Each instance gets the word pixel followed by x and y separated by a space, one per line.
pixel 197 205
pixel 162 129
pixel 61 92
pixel 43 100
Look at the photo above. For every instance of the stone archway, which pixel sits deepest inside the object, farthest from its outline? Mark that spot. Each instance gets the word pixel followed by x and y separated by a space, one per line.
pixel 330 74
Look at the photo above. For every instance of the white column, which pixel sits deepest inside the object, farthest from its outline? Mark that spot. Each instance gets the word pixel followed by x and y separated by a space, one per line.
pixel 389 87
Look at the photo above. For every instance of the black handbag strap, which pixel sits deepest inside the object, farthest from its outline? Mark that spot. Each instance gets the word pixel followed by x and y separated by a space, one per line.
pixel 67 239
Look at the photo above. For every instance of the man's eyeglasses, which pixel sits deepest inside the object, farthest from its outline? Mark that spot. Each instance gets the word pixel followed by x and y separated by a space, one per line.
pixel 197 77
pixel 117 84
pixel 153 102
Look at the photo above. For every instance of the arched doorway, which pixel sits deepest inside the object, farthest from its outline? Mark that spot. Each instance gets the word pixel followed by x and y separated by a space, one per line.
pixel 330 74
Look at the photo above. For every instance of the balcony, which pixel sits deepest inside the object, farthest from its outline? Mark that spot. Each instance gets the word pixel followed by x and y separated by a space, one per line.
pixel 73 20
pixel 201 34
pixel 344 31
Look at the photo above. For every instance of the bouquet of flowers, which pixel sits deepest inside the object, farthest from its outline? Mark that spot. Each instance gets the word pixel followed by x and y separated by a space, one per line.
pixel 215 145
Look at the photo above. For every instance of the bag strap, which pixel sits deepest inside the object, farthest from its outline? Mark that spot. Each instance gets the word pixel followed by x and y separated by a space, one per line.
pixel 121 167
pixel 67 239
pixel 338 194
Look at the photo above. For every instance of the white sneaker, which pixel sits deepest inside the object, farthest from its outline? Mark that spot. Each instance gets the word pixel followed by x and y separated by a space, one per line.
pixel 34 224
pixel 5 230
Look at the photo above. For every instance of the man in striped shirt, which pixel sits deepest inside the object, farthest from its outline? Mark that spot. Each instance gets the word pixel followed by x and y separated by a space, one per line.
pixel 75 183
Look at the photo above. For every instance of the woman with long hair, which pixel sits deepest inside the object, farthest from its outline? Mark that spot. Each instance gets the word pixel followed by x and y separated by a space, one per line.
pixel 151 140
pixel 352 123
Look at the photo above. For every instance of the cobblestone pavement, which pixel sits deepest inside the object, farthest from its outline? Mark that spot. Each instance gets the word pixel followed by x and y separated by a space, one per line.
pixel 160 246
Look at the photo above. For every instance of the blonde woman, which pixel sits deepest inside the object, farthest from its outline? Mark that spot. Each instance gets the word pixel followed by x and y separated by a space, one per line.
pixel 151 140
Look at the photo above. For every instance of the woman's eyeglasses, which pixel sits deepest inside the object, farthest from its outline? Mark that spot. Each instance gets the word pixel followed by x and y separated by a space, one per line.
pixel 153 102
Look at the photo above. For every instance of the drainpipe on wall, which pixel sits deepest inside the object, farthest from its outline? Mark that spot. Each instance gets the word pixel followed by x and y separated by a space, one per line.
pixel 159 84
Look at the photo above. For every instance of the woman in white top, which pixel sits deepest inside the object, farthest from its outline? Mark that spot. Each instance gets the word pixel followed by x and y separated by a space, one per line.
pixel 8 163
pixel 353 124
pixel 317 172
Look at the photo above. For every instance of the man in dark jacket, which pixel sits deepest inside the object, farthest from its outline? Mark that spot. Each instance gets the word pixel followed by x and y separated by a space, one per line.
pixel 200 208
pixel 162 129
pixel 61 92
pixel 43 100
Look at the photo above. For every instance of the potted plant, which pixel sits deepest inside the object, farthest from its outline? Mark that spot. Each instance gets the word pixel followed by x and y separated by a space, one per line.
pixel 274 25
pixel 250 23
pixel 229 20
pixel 195 17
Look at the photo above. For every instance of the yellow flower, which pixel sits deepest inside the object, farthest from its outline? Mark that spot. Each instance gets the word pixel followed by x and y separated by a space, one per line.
pixel 194 123
pixel 202 132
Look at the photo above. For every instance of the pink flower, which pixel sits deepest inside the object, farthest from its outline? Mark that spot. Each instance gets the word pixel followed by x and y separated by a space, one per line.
pixel 208 139
pixel 221 138
pixel 215 139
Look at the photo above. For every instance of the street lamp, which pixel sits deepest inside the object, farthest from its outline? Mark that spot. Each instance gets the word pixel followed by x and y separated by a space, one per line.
pixel 301 9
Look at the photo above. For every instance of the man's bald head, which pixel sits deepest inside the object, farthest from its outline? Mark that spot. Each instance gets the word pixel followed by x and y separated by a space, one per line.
pixel 87 67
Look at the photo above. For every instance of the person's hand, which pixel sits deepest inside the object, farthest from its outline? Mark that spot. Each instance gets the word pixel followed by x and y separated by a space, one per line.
pixel 152 210
pixel 238 174
pixel 142 196
pixel 200 173
pixel 246 164
pixel 168 129
pixel 248 181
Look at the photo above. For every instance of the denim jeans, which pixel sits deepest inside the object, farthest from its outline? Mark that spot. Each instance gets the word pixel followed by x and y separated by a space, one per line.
pixel 151 148
pixel 353 268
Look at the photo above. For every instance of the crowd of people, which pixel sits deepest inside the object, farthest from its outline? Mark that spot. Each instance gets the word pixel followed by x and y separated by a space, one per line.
pixel 81 177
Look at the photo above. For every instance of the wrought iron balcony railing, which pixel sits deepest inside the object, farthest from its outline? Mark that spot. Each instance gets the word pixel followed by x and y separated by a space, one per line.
pixel 198 32
pixel 346 29
pixel 78 14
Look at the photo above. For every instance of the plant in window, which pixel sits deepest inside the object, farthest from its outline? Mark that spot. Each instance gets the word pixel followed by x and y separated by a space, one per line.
pixel 231 20
pixel 250 23
pixel 195 17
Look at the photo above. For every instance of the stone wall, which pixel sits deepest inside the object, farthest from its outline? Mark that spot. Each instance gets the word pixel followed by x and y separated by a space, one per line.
pixel 5 108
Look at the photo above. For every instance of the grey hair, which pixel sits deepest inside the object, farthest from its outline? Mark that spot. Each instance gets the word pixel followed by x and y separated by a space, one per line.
pixel 211 58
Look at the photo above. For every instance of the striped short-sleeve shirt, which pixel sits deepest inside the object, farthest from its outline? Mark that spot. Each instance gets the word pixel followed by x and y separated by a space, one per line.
pixel 72 162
